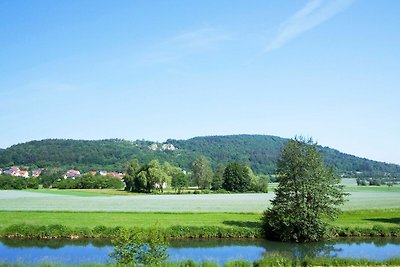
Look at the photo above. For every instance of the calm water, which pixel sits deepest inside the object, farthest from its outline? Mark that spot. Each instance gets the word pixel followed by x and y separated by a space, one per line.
pixel 221 251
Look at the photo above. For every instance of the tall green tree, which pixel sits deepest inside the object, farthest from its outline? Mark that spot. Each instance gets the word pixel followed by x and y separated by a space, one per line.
pixel 156 176
pixel 49 175
pixel 129 178
pixel 218 177
pixel 202 173
pixel 179 182
pixel 237 177
pixel 307 194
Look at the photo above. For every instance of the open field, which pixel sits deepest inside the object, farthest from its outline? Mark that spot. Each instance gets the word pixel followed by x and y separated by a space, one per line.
pixel 127 219
pixel 83 192
pixel 27 200
pixel 382 188
pixel 362 218
pixel 351 186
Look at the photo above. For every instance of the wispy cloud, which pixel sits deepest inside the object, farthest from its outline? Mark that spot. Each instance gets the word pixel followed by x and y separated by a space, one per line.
pixel 311 15
pixel 176 47
pixel 203 38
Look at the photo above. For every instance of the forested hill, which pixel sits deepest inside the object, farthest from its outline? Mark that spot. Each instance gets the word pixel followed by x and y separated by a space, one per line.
pixel 259 151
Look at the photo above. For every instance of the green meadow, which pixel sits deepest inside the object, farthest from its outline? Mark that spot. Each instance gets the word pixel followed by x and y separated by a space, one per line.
pixel 359 218
pixel 127 219
pixel 374 198
pixel 367 207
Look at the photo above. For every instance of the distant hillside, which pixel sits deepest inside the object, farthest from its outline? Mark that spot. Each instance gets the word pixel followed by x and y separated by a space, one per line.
pixel 259 151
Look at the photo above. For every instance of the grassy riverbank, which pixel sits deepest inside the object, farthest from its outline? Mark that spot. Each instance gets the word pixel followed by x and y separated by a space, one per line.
pixel 44 224
pixel 359 218
pixel 266 262
pixel 128 219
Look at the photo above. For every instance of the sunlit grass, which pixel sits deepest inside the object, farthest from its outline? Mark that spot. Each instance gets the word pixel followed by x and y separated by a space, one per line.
pixel 127 219
pixel 361 218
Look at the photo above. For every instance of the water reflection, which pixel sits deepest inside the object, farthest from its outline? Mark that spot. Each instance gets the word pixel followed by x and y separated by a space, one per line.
pixel 220 250
pixel 54 243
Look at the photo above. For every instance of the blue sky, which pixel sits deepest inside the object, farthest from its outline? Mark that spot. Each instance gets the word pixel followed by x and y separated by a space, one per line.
pixel 177 69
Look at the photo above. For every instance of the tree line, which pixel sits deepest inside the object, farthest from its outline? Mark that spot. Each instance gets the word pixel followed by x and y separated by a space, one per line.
pixel 87 181
pixel 389 181
pixel 156 177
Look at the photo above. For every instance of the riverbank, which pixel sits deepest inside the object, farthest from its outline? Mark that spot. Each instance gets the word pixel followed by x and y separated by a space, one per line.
pixel 54 231
pixel 266 262
pixel 60 224
pixel 360 218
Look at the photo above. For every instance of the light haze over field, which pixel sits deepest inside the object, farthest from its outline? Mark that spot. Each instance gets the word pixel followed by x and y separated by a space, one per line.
pixel 178 69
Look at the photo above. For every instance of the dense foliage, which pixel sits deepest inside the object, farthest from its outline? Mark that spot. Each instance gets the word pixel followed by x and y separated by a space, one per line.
pixel 150 177
pixel 307 194
pixel 202 173
pixel 236 178
pixel 137 248
pixel 389 181
pixel 8 182
pixel 260 152
pixel 88 181
pixel 155 177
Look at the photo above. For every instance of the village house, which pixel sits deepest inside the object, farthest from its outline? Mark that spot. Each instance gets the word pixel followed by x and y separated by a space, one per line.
pixel 153 147
pixel 103 173
pixel 118 175
pixel 24 174
pixel 72 174
pixel 15 171
pixel 36 172
pixel 170 147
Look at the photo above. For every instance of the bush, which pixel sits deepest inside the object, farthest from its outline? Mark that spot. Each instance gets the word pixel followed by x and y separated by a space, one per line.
pixel 89 182
pixel 139 248
pixel 238 263
pixel 8 182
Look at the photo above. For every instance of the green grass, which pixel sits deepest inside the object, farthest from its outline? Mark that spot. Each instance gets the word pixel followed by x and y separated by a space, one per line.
pixel 143 220
pixel 374 188
pixel 369 218
pixel 362 218
pixel 276 260
pixel 266 262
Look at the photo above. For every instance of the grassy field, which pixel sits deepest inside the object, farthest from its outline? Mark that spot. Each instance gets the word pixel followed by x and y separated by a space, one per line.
pixel 82 192
pixel 369 218
pixel 80 201
pixel 127 219
pixel 361 218
pixel 383 188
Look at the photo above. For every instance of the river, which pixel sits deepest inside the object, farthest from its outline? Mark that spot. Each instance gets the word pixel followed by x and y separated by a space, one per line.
pixel 221 251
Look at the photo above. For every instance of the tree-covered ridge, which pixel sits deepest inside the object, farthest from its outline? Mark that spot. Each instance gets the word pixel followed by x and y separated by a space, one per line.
pixel 260 152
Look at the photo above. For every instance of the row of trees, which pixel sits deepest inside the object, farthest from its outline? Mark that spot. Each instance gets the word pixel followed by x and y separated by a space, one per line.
pixel 149 177
pixel 378 181
pixel 154 176
pixel 234 177
pixel 8 182
pixel 88 181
